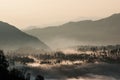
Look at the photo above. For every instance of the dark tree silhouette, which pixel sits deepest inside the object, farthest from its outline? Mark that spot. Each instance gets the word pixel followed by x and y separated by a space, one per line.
pixel 3 67
pixel 15 74
pixel 3 61
pixel 39 77
pixel 28 76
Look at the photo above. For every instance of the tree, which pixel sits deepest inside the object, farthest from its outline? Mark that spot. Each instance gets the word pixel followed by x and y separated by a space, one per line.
pixel 3 67
pixel 3 62
pixel 39 77
pixel 16 74
pixel 28 76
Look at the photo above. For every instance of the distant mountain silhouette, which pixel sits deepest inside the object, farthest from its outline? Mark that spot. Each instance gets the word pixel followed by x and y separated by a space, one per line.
pixel 103 31
pixel 12 38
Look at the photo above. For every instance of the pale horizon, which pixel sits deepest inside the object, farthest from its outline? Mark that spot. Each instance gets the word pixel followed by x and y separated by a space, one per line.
pixel 24 13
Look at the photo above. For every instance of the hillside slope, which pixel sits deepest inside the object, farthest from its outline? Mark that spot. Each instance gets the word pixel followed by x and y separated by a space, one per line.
pixel 12 38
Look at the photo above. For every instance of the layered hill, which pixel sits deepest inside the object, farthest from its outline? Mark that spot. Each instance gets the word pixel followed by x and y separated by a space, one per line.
pixel 103 31
pixel 13 38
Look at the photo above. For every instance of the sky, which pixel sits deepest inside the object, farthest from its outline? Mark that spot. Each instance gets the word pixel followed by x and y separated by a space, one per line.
pixel 24 13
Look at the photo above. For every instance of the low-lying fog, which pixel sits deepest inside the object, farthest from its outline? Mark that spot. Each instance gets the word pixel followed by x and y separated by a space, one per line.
pixel 62 42
pixel 83 72
pixel 75 63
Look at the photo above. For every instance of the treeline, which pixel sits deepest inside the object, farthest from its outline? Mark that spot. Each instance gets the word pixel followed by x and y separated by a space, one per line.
pixel 88 58
pixel 109 54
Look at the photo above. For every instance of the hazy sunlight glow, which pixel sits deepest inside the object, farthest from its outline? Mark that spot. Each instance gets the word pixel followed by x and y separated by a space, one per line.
pixel 23 13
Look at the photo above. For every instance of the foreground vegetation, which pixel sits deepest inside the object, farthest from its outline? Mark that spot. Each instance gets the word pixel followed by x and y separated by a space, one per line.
pixel 12 74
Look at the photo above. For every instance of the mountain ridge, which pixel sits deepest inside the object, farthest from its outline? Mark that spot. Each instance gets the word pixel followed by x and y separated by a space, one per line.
pixel 102 31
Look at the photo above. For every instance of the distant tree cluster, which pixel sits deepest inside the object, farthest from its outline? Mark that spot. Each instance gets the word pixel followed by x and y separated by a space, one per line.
pixel 22 59
pixel 108 54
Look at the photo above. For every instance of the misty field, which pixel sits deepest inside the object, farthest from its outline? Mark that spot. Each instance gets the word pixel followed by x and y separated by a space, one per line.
pixel 75 63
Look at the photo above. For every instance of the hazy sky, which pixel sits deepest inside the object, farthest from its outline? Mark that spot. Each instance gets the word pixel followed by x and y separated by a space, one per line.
pixel 24 13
